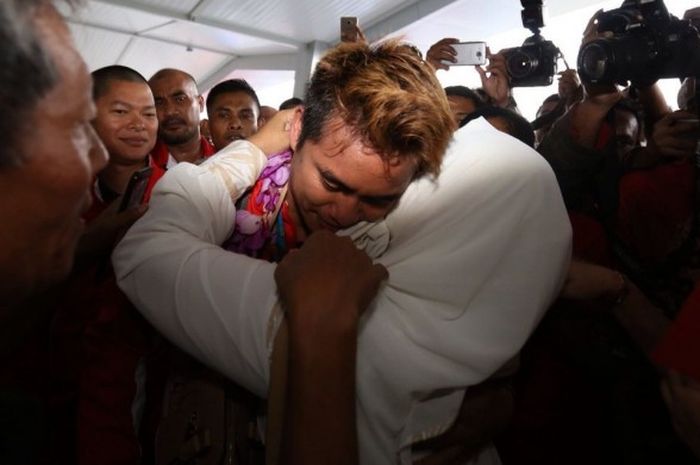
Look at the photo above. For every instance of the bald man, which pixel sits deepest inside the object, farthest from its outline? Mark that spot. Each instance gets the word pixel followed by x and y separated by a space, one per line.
pixel 178 104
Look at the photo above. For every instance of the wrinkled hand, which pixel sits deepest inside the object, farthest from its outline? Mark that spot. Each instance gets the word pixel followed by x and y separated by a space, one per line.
pixel 442 51
pixel 494 79
pixel 682 396
pixel 674 138
pixel 274 136
pixel 569 88
pixel 107 229
pixel 326 275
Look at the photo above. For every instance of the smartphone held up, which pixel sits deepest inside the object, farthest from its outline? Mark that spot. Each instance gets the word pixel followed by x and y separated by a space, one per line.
pixel 348 29
pixel 468 54
pixel 136 189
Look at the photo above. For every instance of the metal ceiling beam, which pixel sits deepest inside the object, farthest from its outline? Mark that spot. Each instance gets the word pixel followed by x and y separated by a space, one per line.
pixel 403 17
pixel 118 30
pixel 188 18
pixel 278 62
pixel 199 8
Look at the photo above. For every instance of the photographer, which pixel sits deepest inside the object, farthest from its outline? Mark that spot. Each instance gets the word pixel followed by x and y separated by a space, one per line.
pixel 632 209
pixel 494 78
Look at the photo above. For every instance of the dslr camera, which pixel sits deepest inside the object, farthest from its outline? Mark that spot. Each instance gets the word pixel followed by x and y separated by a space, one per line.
pixel 647 43
pixel 535 62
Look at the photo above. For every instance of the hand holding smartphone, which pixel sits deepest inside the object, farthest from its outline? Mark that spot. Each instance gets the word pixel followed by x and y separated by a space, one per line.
pixel 136 189
pixel 468 54
pixel 348 29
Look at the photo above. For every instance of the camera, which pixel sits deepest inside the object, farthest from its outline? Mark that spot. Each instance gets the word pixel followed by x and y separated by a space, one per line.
pixel 647 44
pixel 535 62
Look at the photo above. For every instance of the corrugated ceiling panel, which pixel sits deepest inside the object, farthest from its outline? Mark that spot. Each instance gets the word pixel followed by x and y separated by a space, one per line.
pixel 272 87
pixel 182 6
pixel 114 16
pixel 98 47
pixel 305 20
pixel 219 39
pixel 148 56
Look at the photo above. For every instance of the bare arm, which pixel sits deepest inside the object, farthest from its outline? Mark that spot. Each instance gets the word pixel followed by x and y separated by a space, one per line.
pixel 324 287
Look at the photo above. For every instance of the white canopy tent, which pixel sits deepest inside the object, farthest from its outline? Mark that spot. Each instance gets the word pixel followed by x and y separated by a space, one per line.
pixel 274 43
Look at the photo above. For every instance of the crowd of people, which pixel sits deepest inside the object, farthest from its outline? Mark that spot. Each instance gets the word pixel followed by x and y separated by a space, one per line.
pixel 384 271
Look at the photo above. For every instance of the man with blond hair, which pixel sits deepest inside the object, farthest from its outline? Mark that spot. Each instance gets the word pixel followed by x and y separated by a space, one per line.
pixel 375 120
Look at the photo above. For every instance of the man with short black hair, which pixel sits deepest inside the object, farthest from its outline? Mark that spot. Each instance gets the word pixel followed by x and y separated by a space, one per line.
pixel 178 104
pixel 290 103
pixel 234 112
pixel 463 101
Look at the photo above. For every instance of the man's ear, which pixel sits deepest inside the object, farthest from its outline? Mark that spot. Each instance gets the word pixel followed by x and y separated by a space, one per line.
pixel 295 129
pixel 200 99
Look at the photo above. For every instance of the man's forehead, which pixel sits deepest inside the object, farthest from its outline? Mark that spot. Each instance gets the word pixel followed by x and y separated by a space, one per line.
pixel 237 97
pixel 173 83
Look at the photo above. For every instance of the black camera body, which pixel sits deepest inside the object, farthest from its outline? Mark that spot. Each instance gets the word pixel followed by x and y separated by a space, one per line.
pixel 535 62
pixel 647 44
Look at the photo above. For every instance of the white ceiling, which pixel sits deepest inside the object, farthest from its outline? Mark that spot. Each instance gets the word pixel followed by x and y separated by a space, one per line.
pixel 272 43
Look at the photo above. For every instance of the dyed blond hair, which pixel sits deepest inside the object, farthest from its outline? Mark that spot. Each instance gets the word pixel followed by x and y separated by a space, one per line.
pixel 388 97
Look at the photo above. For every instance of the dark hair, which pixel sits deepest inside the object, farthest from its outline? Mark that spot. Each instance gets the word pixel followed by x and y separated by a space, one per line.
pixel 103 77
pixel 27 73
pixel 550 99
pixel 465 92
pixel 291 103
pixel 387 96
pixel 518 126
pixel 230 86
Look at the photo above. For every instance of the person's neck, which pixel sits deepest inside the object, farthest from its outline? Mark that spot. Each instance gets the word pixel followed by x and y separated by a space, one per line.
pixel 189 151
pixel 299 225
pixel 116 175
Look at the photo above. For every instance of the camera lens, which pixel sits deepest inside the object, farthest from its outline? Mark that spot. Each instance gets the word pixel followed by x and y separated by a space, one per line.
pixel 520 64
pixel 593 61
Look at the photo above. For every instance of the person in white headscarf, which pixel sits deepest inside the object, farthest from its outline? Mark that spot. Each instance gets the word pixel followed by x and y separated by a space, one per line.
pixel 474 257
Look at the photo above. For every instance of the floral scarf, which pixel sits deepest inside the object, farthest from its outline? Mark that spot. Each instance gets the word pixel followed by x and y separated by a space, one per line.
pixel 263 227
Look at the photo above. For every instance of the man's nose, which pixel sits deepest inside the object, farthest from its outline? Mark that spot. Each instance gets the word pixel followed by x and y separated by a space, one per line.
pixel 168 108
pixel 347 211
pixel 137 123
pixel 234 122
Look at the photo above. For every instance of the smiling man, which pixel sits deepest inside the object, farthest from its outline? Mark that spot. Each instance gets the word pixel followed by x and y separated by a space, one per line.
pixel 234 112
pixel 127 124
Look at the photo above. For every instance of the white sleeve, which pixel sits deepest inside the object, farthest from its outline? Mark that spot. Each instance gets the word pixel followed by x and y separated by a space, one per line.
pixel 212 303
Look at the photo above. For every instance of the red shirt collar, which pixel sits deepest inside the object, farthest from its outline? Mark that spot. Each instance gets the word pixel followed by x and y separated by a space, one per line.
pixel 161 153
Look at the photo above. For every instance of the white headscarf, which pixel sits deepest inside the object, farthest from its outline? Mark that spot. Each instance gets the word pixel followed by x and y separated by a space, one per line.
pixel 475 258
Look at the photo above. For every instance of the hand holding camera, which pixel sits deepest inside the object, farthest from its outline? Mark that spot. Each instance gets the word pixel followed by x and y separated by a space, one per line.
pixel 494 79
pixel 676 135
pixel 638 42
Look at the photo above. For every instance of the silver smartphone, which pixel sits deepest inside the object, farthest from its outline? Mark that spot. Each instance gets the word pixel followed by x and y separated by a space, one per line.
pixel 469 54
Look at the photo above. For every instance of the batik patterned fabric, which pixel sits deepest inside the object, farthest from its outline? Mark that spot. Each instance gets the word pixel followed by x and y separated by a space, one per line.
pixel 263 228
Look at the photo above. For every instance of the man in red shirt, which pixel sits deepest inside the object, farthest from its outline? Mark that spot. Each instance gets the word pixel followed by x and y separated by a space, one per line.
pixel 178 105
pixel 234 112
pixel 98 341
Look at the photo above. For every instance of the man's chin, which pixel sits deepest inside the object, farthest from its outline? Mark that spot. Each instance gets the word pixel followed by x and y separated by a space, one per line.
pixel 175 138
